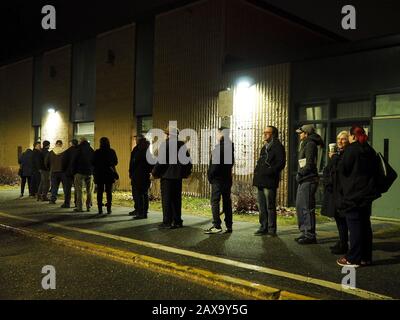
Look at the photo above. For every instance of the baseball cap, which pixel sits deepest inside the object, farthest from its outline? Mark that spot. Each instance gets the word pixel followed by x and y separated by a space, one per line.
pixel 307 128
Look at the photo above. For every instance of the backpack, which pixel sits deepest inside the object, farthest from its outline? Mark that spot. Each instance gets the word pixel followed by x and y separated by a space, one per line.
pixel 385 175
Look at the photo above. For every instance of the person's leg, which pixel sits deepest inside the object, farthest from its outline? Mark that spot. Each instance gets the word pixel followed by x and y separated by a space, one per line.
pixel 367 235
pixel 300 204
pixel 23 182
pixel 227 205
pixel 177 202
pixel 30 185
pixel 309 191
pixel 89 191
pixel 54 187
pixel 262 208
pixel 135 195
pixel 215 204
pixel 78 191
pixel 270 195
pixel 46 185
pixel 40 187
pixel 341 224
pixel 354 254
pixel 100 191
pixel 109 196
pixel 165 198
pixel 67 185
pixel 146 202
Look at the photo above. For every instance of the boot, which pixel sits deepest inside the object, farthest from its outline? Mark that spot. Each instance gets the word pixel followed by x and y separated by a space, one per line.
pixel 100 209
pixel 109 209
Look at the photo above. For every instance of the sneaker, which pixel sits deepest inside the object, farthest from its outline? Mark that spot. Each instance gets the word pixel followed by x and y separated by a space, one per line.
pixel 139 217
pixel 228 231
pixel 65 206
pixel 260 233
pixel 21 196
pixel 343 262
pixel 213 230
pixel 299 238
pixel 133 213
pixel 176 226
pixel 52 202
pixel 164 226
pixel 307 241
pixel 78 210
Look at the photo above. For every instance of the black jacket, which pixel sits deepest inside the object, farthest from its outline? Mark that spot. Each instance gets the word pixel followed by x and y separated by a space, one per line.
pixel 104 162
pixel 36 159
pixel 26 163
pixel 272 161
pixel 333 193
pixel 309 151
pixel 42 161
pixel 357 176
pixel 139 168
pixel 83 162
pixel 219 171
pixel 174 170
pixel 68 161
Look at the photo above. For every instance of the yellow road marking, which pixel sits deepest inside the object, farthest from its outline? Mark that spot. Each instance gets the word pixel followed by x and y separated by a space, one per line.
pixel 226 283
pixel 364 294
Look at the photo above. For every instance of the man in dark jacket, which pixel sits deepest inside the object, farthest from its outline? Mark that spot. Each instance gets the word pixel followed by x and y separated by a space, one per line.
pixel 266 178
pixel 26 171
pixel 171 169
pixel 307 178
pixel 36 155
pixel 220 178
pixel 54 162
pixel 67 164
pixel 44 172
pixel 83 174
pixel 139 173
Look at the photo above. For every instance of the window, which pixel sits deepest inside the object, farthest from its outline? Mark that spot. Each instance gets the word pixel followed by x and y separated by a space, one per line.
pixel 145 124
pixel 84 129
pixel 388 104
pixel 313 112
pixel 355 109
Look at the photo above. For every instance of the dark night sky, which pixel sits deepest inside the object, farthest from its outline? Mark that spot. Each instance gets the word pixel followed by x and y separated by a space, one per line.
pixel 21 32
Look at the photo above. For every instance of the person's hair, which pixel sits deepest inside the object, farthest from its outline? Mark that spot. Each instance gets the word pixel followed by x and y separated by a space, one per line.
pixel 74 142
pixel 59 142
pixel 275 132
pixel 343 133
pixel 359 133
pixel 46 144
pixel 35 144
pixel 83 139
pixel 104 143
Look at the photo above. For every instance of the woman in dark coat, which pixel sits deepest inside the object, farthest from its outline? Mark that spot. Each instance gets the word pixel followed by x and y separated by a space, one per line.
pixel 104 162
pixel 26 170
pixel 357 176
pixel 333 193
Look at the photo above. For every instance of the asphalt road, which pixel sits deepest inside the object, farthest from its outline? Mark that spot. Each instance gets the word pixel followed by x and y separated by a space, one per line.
pixel 279 254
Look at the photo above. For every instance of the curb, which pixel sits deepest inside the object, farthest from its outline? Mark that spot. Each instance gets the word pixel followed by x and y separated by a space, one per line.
pixel 244 288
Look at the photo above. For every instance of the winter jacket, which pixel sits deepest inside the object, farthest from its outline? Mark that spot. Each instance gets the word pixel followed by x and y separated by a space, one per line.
pixel 272 161
pixel 68 161
pixel 83 162
pixel 36 159
pixel 172 170
pixel 43 160
pixel 54 160
pixel 309 152
pixel 357 176
pixel 26 163
pixel 139 167
pixel 104 163
pixel 219 171
pixel 333 192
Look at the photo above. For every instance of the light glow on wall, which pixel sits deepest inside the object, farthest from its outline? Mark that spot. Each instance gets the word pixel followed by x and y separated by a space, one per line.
pixel 51 125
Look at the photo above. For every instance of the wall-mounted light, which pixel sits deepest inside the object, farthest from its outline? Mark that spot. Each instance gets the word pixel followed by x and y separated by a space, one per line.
pixel 51 110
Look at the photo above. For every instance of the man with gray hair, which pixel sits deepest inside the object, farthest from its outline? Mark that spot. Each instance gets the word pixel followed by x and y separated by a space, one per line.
pixel 308 179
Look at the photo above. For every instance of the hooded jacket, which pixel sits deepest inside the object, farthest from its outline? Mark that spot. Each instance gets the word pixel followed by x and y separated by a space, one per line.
pixel 83 161
pixel 54 160
pixel 139 168
pixel 26 162
pixel 309 152
pixel 269 166
pixel 221 172
pixel 43 159
pixel 357 173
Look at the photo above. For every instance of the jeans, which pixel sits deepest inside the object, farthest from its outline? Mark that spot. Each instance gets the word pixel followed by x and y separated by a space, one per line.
pixel 218 190
pixel 171 195
pixel 67 187
pixel 44 184
pixel 87 180
pixel 56 179
pixel 341 224
pixel 305 207
pixel 359 223
pixel 23 183
pixel 267 207
pixel 35 182
pixel 101 187
pixel 141 199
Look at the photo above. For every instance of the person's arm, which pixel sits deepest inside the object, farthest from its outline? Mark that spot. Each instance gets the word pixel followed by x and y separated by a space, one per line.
pixel 115 159
pixel 279 163
pixel 311 153
pixel 347 162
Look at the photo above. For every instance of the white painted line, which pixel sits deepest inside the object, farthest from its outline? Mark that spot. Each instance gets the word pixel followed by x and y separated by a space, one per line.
pixel 319 282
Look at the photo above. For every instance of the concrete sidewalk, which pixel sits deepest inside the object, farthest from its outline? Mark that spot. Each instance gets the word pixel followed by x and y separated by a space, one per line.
pixel 277 262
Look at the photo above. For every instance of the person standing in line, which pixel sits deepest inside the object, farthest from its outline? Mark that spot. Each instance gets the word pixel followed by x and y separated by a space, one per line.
pixel 54 162
pixel 139 173
pixel 26 170
pixel 67 164
pixel 36 154
pixel 358 170
pixel 171 173
pixel 220 177
pixel 307 177
pixel 333 193
pixel 44 173
pixel 104 162
pixel 83 174
pixel 267 174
